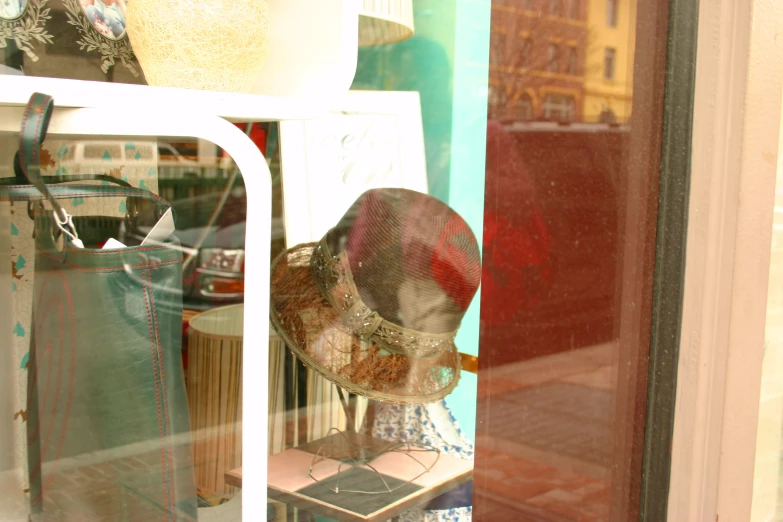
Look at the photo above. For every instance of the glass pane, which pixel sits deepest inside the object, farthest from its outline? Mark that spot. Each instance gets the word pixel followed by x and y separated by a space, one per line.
pixel 122 377
pixel 462 254
pixel 569 232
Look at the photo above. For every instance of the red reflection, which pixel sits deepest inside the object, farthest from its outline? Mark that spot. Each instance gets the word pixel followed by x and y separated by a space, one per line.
pixel 547 365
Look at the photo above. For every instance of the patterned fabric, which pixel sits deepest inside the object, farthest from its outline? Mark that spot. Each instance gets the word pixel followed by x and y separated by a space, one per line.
pixel 136 164
pixel 431 424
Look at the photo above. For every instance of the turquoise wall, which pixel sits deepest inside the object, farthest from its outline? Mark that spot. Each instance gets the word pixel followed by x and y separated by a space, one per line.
pixel 468 160
pixel 446 61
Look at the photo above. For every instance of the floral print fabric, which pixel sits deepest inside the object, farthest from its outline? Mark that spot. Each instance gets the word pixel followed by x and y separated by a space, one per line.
pixel 433 425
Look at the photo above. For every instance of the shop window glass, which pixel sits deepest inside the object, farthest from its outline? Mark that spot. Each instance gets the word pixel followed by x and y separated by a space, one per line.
pixel 565 366
pixel 482 147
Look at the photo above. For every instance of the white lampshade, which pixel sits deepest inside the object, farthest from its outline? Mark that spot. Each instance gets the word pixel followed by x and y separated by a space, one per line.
pixel 385 21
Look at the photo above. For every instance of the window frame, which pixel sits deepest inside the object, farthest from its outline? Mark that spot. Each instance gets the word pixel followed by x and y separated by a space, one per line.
pixel 524 103
pixel 720 343
pixel 526 51
pixel 612 6
pixel 610 63
pixel 553 57
pixel 501 44
pixel 566 107
pixel 572 9
pixel 556 8
pixel 572 59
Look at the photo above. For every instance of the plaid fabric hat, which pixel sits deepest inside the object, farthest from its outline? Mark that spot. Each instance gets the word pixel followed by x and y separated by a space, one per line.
pixel 375 305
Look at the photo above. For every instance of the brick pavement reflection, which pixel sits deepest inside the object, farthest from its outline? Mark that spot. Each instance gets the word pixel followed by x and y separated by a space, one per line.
pixel 547 452
pixel 545 458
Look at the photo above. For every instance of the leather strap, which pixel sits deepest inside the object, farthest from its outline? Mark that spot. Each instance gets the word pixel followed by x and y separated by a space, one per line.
pixel 35 123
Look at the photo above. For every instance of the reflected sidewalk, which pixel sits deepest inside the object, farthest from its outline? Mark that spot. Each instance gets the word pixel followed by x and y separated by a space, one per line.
pixel 547 455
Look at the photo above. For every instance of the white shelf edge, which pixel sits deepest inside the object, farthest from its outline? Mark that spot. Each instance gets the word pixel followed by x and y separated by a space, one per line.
pixel 16 91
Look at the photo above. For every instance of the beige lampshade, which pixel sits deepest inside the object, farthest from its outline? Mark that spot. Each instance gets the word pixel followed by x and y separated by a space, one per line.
pixel 214 387
pixel 385 21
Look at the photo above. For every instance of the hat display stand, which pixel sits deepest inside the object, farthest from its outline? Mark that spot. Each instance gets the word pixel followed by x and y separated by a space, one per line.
pixel 354 447
pixel 374 307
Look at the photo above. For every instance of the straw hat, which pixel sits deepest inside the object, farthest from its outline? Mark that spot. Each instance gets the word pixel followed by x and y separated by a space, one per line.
pixel 375 305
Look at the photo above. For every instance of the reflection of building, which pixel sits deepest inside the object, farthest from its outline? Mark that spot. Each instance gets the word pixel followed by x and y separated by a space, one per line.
pixel 611 30
pixel 537 59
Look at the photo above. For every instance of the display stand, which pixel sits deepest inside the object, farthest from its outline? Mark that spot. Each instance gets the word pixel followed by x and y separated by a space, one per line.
pixel 289 483
pixel 353 476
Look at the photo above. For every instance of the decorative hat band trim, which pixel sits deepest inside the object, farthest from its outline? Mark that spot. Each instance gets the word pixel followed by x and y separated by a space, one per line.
pixel 333 276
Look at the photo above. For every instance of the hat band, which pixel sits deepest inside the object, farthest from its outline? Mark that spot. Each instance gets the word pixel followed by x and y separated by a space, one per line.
pixel 333 276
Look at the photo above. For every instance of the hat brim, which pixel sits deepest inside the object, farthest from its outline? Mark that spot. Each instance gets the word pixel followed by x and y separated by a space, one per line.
pixel 314 331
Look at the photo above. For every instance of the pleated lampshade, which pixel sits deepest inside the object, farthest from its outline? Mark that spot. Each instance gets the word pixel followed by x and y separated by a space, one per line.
pixel 385 21
pixel 214 387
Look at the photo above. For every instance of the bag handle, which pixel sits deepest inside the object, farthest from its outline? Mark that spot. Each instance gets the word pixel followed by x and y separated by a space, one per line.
pixel 29 193
pixel 35 124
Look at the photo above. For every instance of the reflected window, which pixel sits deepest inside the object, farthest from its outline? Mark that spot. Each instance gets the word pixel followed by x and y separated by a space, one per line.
pixel 552 56
pixel 525 50
pixel 524 108
pixel 559 107
pixel 498 52
pixel 611 13
pixel 572 10
pixel 527 5
pixel 497 101
pixel 571 64
pixel 494 98
pixel 555 7
pixel 609 62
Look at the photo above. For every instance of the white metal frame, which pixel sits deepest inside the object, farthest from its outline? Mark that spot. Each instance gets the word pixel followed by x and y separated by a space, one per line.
pixel 737 119
pixel 148 123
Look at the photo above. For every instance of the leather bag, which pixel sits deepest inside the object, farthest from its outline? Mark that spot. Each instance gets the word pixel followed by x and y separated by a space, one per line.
pixel 108 427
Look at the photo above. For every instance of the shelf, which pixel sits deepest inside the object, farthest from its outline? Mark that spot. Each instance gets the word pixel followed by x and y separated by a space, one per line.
pixel 313 48
pixel 16 91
